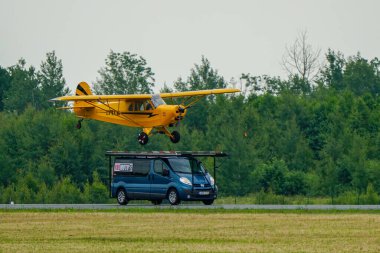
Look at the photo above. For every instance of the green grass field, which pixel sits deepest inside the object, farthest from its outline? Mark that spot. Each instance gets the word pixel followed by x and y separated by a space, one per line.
pixel 156 231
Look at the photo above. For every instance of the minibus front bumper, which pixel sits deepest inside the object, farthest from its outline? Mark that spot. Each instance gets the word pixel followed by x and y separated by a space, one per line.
pixel 198 192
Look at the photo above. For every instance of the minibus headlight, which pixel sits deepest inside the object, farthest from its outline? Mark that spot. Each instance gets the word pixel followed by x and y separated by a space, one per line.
pixel 185 180
pixel 212 180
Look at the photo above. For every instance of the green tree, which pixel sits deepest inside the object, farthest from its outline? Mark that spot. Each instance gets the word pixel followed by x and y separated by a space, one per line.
pixel 5 80
pixel 332 73
pixel 270 177
pixel 125 73
pixel 371 197
pixel 202 77
pixel 96 192
pixel 23 90
pixel 65 192
pixel 263 84
pixel 361 75
pixel 51 80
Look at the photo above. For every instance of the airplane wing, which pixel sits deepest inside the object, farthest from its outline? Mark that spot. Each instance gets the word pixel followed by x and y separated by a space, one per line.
pixel 192 97
pixel 103 97
pixel 197 93
pixel 94 98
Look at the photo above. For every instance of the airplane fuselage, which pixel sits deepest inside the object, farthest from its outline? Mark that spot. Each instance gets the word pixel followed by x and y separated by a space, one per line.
pixel 133 114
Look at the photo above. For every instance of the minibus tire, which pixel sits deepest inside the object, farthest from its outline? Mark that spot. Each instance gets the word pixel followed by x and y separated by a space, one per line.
pixel 119 196
pixel 208 202
pixel 173 197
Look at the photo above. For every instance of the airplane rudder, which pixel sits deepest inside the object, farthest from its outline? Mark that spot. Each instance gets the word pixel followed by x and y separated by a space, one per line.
pixel 83 89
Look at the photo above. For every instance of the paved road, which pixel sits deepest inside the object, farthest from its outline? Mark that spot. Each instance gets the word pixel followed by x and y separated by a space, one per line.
pixel 189 206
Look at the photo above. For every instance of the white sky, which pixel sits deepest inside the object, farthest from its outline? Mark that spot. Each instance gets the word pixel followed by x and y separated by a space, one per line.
pixel 236 36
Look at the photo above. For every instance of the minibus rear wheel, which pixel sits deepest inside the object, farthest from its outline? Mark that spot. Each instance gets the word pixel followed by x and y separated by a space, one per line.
pixel 157 202
pixel 173 197
pixel 121 197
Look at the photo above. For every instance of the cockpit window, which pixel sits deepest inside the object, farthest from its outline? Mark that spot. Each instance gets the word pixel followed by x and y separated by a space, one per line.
pixel 157 100
pixel 140 106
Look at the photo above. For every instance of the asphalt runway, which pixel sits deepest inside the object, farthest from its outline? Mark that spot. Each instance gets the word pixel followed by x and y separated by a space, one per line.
pixel 185 206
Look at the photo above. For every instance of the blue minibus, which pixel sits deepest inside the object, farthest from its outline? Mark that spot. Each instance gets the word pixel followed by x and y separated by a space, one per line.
pixel 155 176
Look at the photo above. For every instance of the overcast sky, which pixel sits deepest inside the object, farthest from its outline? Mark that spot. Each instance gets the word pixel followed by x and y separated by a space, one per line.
pixel 236 36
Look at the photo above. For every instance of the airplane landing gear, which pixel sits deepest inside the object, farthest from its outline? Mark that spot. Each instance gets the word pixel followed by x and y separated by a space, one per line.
pixel 79 124
pixel 143 138
pixel 175 137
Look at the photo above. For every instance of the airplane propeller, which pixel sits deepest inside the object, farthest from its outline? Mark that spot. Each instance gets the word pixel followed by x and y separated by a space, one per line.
pixel 181 109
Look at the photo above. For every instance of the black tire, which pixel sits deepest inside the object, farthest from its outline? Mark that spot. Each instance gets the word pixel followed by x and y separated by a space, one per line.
pixel 143 138
pixel 79 125
pixel 173 197
pixel 175 137
pixel 208 202
pixel 121 197
pixel 156 202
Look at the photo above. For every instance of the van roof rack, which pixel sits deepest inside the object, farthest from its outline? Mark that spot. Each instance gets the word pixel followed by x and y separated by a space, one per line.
pixel 167 153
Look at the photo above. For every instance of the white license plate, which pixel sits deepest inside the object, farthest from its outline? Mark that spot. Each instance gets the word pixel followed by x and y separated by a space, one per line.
pixel 204 193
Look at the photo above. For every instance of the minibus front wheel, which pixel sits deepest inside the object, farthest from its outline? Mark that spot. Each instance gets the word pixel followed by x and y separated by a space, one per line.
pixel 173 197
pixel 208 201
pixel 122 197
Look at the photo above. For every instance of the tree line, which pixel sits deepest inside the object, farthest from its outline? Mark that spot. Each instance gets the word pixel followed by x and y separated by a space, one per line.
pixel 286 136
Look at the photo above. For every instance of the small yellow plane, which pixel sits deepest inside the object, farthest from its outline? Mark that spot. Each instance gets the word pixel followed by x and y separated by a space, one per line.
pixel 147 111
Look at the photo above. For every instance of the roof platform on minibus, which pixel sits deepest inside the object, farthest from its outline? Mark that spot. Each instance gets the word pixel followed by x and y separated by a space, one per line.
pixel 166 154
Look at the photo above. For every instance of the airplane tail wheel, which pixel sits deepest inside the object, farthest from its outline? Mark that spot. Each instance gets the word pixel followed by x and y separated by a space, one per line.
pixel 143 138
pixel 175 137
pixel 79 125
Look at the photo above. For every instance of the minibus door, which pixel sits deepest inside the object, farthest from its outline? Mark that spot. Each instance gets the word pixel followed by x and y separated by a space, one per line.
pixel 159 182
pixel 138 184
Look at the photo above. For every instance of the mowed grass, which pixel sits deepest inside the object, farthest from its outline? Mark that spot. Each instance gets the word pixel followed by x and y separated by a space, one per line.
pixel 188 232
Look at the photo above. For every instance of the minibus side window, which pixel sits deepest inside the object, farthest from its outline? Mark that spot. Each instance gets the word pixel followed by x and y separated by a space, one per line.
pixel 122 167
pixel 141 167
pixel 132 167
pixel 159 166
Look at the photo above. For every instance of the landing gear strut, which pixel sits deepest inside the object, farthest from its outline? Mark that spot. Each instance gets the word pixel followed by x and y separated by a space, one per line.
pixel 143 138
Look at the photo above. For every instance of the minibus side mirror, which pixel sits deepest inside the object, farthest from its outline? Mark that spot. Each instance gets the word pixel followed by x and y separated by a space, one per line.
pixel 165 172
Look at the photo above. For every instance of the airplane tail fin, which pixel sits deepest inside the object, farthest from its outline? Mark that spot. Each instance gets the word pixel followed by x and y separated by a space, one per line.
pixel 80 107
pixel 83 89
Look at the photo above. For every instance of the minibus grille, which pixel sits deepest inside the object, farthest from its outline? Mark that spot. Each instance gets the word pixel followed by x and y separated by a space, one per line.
pixel 203 185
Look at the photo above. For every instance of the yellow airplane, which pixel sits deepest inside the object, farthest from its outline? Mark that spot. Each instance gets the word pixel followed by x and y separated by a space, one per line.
pixel 148 111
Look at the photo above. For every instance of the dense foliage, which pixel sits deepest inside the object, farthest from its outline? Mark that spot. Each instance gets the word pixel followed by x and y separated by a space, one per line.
pixel 285 137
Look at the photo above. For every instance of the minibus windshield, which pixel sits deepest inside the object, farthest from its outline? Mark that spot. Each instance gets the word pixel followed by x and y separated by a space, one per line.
pixel 186 166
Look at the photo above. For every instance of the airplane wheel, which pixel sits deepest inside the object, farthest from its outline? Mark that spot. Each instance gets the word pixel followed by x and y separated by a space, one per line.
pixel 79 125
pixel 143 138
pixel 176 137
